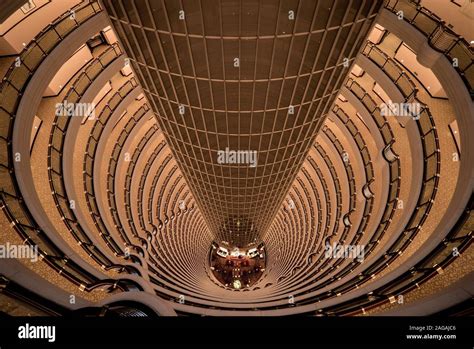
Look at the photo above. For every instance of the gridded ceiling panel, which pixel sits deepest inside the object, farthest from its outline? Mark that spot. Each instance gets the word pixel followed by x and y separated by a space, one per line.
pixel 249 78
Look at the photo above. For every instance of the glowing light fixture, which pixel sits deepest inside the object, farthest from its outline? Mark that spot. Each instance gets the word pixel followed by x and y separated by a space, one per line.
pixel 237 284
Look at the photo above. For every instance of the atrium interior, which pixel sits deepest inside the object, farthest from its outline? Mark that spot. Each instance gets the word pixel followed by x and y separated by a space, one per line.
pixel 236 157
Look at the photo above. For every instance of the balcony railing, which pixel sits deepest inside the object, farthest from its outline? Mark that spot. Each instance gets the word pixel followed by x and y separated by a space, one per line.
pixel 457 241
pixel 394 179
pixel 115 158
pixel 144 175
pixel 31 57
pixel 56 154
pixel 424 204
pixel 11 92
pixel 440 37
pixel 391 68
pixel 431 156
pixel 88 170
